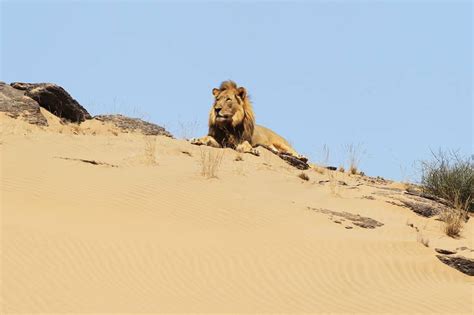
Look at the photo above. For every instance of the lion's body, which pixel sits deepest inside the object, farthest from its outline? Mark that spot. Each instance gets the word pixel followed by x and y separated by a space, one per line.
pixel 269 139
pixel 232 124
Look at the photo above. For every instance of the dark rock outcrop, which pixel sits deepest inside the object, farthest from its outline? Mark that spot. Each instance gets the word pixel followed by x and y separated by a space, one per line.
pixel 294 161
pixel 127 124
pixel 16 104
pixel 23 100
pixel 357 219
pixel 55 99
pixel 463 264
pixel 444 251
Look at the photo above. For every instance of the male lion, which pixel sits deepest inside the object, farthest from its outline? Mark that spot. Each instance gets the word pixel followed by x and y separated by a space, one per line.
pixel 232 124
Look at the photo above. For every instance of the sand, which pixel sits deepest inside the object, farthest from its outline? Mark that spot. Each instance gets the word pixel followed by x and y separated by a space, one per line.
pixel 145 232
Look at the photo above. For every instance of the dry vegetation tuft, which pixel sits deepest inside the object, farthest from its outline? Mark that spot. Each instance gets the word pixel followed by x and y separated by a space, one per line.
pixel 423 240
pixel 453 221
pixel 355 153
pixel 210 162
pixel 303 176
pixel 319 170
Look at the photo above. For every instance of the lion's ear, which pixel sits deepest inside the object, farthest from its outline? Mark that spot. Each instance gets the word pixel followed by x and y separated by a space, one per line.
pixel 215 92
pixel 242 92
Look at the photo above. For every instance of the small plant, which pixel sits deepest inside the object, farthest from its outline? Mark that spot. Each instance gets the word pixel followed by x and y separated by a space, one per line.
pixel 210 162
pixel 303 176
pixel 451 177
pixel 353 170
pixel 423 240
pixel 341 169
pixel 453 221
pixel 325 155
pixel 355 154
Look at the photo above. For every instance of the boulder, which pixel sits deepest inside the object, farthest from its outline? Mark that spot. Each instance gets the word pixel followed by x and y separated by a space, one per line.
pixel 127 124
pixel 15 104
pixel 55 99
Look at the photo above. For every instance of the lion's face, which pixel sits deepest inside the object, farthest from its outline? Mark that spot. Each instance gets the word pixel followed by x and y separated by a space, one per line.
pixel 231 119
pixel 228 108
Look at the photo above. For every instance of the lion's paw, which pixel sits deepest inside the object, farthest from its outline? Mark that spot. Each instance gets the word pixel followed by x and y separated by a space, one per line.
pixel 196 141
pixel 254 152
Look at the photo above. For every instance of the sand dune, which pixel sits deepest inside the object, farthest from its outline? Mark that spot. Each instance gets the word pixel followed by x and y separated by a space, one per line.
pixel 146 233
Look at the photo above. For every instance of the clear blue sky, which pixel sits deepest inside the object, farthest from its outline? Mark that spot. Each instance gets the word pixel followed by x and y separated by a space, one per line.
pixel 392 76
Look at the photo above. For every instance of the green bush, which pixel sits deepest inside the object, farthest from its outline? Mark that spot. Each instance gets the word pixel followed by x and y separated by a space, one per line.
pixel 451 177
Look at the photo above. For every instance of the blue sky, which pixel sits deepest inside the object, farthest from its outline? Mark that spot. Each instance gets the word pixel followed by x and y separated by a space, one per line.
pixel 391 77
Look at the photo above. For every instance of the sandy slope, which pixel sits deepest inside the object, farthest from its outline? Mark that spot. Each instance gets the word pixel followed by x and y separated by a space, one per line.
pixel 147 238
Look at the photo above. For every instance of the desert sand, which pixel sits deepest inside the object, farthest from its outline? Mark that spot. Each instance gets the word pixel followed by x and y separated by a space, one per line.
pixel 143 231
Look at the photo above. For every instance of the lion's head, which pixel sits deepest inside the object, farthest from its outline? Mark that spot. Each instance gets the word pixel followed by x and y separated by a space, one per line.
pixel 231 120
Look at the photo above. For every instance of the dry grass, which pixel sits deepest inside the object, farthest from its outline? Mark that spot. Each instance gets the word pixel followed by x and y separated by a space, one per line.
pixel 75 128
pixel 187 130
pixel 150 148
pixel 455 218
pixel 355 153
pixel 238 158
pixel 210 162
pixel 453 222
pixel 423 240
pixel 353 170
pixel 319 170
pixel 303 176
pixel 341 169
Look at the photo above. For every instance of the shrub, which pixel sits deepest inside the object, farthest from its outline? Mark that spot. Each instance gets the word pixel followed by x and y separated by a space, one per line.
pixel 451 177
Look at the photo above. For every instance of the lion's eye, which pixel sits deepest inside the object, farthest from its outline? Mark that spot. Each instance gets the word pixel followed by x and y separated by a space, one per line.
pixel 228 100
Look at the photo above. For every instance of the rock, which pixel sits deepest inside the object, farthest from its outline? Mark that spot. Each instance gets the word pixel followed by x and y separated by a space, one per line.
pixel 55 99
pixel 444 251
pixel 127 124
pixel 367 223
pixel 423 209
pixel 300 164
pixel 331 168
pixel 463 264
pixel 15 104
pixel 358 220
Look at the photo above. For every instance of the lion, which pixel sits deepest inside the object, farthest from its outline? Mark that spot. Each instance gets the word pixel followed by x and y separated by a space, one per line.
pixel 232 125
